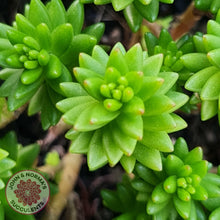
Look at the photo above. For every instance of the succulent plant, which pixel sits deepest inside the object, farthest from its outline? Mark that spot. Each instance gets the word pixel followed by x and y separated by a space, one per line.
pixel 39 52
pixel 121 109
pixel 134 10
pixel 205 81
pixel 210 5
pixel 172 51
pixel 123 201
pixel 178 191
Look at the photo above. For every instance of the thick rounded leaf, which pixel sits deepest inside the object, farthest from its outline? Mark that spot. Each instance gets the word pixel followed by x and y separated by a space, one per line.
pixel 71 89
pixel 214 57
pixel 211 42
pixel 126 143
pixel 61 38
pixel 83 121
pixel 96 154
pixel 111 200
pixel 149 11
pixel 56 12
pixel 211 89
pixel 131 125
pixel 157 140
pixel 182 207
pixel 163 122
pixel 170 79
pixel 213 27
pixel 209 109
pixel 6 164
pixel 194 155
pixel 158 104
pixel 146 174
pixel 80 144
pixel 197 81
pixel 141 185
pixel 119 5
pixel 71 102
pixel 25 26
pixel 92 86
pixel 178 98
pixel 180 148
pixel 150 86
pixel 30 76
pixel 152 65
pixel 149 157
pixel 159 195
pixel 169 185
pixel 195 61
pixel 128 163
pixel 75 16
pixel 133 18
pixel 3 154
pixel 96 30
pixel 215 215
pixel 43 36
pixel 38 13
pixel 99 54
pixel 90 63
pixel 117 60
pixel 153 208
pixel 172 164
pixel 200 168
pixel 112 151
pixel 134 58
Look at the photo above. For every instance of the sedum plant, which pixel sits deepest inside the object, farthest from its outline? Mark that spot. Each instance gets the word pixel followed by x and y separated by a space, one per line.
pixel 122 108
pixel 39 52
pixel 121 105
pixel 178 191
pixel 210 5
pixel 206 78
pixel 134 10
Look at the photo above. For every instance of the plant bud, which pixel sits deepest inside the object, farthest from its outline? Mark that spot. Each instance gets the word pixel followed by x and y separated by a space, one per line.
pixel 112 105
pixel 127 94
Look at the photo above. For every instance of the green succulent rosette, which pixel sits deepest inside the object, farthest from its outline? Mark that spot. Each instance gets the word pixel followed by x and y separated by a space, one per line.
pixel 122 108
pixel 184 189
pixel 39 52
pixel 205 64
pixel 134 10
pixel 208 5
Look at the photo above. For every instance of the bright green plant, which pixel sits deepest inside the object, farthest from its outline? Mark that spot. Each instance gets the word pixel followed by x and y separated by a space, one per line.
pixel 122 109
pixel 177 191
pixel 134 10
pixel 206 79
pixel 121 104
pixel 208 5
pixel 39 52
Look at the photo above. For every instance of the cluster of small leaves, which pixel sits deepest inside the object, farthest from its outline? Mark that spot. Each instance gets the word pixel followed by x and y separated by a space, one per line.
pixel 208 5
pixel 122 108
pixel 39 52
pixel 205 64
pixel 134 10
pixel 13 158
pixel 183 189
pixel 172 51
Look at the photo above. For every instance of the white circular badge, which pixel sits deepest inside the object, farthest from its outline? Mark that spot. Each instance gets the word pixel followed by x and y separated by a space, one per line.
pixel 27 192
